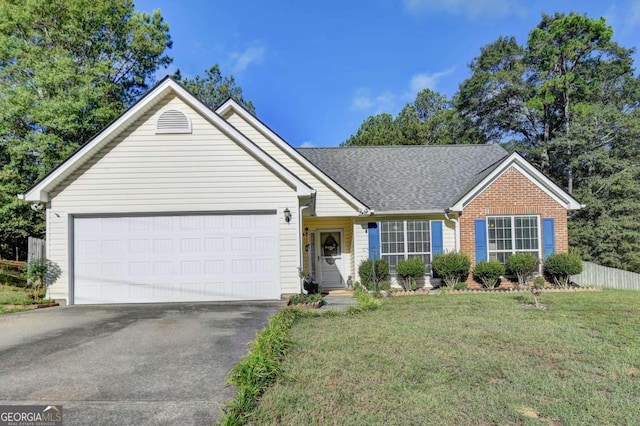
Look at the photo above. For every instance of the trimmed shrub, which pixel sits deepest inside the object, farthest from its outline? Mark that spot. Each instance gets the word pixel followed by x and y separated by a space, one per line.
pixel 522 265
pixel 410 270
pixel 452 267
pixel 562 265
pixel 488 273
pixel 372 273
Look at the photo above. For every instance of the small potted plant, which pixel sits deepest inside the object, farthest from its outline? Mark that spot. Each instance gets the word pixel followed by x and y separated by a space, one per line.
pixel 310 286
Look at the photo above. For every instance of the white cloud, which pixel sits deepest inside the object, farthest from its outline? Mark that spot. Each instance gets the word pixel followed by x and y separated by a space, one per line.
pixel 307 144
pixel 427 80
pixel 469 8
pixel 363 100
pixel 251 55
pixel 626 19
pixel 633 18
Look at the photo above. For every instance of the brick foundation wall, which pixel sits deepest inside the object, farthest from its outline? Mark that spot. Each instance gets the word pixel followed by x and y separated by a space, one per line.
pixel 511 194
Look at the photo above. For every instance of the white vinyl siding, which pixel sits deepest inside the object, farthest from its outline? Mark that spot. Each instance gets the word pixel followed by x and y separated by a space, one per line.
pixel 403 239
pixel 508 235
pixel 142 172
pixel 328 203
pixel 360 246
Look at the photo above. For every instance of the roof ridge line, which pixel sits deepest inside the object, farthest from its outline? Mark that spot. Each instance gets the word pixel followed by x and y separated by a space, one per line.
pixel 401 146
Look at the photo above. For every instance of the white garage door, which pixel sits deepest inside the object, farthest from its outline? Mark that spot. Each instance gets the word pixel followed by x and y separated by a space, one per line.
pixel 175 258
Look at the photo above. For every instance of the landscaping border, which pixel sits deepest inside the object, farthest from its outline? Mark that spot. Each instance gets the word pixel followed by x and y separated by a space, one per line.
pixel 423 291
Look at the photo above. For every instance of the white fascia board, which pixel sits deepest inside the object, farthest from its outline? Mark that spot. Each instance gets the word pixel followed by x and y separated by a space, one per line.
pixel 40 192
pixel 530 172
pixel 231 105
pixel 302 188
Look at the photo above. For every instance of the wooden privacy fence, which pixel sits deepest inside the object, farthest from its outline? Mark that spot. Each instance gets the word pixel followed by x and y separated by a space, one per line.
pixel 36 248
pixel 602 276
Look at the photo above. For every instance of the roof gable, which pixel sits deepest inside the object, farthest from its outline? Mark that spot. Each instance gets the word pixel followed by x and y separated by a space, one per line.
pixel 230 107
pixel 515 160
pixel 39 192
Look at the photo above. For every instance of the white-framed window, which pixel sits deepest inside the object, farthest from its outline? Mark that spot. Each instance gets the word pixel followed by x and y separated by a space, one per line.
pixel 508 235
pixel 402 239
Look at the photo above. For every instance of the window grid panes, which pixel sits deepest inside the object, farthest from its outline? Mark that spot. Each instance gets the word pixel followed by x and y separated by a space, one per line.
pixel 402 239
pixel 512 234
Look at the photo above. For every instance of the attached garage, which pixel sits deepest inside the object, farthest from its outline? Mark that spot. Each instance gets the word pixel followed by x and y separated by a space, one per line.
pixel 171 203
pixel 182 258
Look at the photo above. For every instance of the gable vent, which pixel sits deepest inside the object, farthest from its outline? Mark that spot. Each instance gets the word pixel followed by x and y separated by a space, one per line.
pixel 173 121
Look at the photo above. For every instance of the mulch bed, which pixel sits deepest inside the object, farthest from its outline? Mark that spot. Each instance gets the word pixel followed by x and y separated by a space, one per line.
pixel 32 306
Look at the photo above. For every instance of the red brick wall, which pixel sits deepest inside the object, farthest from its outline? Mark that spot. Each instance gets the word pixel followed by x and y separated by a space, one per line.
pixel 511 194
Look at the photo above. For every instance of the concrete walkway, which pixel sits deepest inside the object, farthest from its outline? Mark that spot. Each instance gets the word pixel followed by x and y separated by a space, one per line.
pixel 339 300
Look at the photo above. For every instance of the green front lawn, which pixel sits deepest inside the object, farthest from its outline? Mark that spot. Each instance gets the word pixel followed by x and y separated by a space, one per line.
pixel 465 359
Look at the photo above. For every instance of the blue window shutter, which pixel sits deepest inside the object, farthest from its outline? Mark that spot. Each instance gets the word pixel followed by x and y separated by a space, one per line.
pixel 374 240
pixel 437 246
pixel 481 240
pixel 548 237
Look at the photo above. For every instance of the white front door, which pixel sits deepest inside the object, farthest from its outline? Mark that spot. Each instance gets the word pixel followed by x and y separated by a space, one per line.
pixel 330 258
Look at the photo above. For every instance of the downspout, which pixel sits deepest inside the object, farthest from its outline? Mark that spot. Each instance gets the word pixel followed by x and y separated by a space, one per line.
pixel 310 204
pixel 456 227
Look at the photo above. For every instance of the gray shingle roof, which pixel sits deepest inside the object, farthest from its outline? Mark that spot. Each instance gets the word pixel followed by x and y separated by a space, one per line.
pixel 407 178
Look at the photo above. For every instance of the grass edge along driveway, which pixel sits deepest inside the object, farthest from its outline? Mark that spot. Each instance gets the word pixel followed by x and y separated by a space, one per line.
pixel 465 359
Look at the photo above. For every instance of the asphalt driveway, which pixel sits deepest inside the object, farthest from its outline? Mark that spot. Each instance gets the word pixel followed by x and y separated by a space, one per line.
pixel 127 364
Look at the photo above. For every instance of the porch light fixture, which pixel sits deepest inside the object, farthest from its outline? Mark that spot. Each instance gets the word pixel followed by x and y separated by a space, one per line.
pixel 287 215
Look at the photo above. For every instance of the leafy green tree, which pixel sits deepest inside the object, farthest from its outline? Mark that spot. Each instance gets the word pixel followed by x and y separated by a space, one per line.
pixel 571 56
pixel 429 120
pixel 378 129
pixel 67 68
pixel 494 97
pixel 526 95
pixel 213 88
pixel 568 101
pixel 607 231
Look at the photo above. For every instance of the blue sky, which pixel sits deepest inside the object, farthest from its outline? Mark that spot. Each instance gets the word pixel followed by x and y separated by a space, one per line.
pixel 316 69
